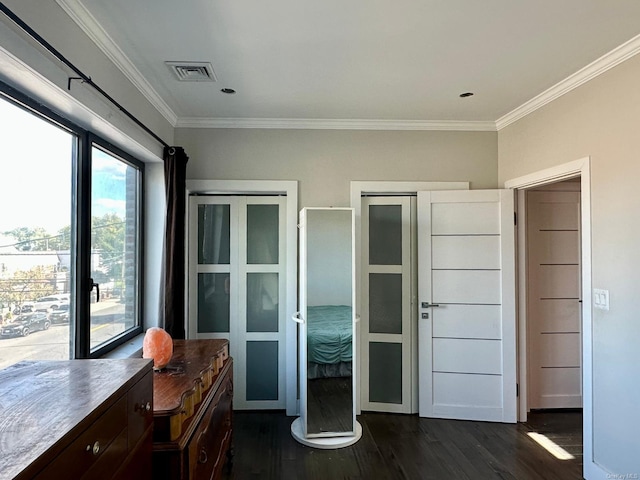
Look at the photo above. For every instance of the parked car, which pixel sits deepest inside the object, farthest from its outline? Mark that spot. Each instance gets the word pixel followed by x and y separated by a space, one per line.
pixel 60 314
pixel 25 324
pixel 24 308
pixel 51 302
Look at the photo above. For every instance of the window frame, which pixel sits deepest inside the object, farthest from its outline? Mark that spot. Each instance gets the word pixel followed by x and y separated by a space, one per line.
pixel 129 160
pixel 80 319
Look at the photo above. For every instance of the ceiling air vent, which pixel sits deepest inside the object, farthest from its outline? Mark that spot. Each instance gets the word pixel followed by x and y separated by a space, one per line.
pixel 193 71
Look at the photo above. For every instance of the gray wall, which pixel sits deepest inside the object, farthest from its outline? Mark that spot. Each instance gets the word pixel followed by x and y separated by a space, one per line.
pixel 600 119
pixel 325 161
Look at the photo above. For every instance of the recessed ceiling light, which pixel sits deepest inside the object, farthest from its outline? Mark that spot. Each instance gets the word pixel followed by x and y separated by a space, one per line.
pixel 229 91
pixel 466 94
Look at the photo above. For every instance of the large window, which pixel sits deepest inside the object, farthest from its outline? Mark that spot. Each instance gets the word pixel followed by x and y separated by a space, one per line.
pixel 70 236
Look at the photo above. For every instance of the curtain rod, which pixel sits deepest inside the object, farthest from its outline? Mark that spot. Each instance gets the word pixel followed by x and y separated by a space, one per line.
pixel 81 75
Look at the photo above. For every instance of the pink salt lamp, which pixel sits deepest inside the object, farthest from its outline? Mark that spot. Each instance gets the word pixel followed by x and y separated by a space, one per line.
pixel 157 344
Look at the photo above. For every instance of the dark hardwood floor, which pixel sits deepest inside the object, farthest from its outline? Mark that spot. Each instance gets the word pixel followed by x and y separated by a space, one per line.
pixel 409 447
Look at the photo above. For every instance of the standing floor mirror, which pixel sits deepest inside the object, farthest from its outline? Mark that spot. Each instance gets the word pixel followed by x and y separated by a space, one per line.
pixel 327 330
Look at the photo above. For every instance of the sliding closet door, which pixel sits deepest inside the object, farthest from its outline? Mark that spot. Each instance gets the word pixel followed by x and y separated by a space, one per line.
pixel 213 267
pixel 387 291
pixel 237 289
pixel 261 313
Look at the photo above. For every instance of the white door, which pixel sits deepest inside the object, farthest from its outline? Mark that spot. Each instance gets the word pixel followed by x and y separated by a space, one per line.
pixel 466 294
pixel 388 318
pixel 553 309
pixel 237 289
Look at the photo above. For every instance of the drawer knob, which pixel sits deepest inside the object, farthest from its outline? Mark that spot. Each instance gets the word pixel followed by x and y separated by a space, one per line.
pixel 143 407
pixel 95 448
pixel 203 456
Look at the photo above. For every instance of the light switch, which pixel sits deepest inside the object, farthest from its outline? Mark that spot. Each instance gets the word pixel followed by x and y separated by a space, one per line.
pixel 601 299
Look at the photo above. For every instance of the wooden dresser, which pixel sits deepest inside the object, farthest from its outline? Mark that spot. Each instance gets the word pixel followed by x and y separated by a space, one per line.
pixel 193 412
pixel 77 419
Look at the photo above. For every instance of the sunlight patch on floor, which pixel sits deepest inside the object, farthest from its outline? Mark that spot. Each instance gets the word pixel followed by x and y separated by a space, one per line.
pixel 550 446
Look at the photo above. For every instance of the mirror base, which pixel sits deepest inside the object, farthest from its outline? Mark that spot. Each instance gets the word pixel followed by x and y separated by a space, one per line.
pixel 325 443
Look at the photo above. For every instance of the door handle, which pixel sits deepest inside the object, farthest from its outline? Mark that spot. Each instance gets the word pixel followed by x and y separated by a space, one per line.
pixel 97 286
pixel 297 318
pixel 428 305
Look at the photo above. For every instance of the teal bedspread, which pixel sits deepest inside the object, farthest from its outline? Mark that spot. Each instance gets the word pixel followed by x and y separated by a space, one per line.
pixel 329 334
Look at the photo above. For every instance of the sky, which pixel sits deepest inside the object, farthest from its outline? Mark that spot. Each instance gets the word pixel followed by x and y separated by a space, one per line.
pixel 35 174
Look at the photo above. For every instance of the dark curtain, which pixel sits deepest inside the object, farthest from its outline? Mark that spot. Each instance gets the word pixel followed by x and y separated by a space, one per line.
pixel 175 171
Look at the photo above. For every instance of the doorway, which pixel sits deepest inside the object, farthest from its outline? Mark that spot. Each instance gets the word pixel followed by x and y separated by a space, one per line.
pixel 554 376
pixel 576 169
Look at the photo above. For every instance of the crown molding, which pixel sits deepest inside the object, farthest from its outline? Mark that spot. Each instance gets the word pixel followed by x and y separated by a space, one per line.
pixel 591 71
pixel 88 23
pixel 333 124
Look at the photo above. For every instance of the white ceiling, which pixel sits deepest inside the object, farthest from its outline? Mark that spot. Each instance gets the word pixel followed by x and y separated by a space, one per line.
pixel 371 62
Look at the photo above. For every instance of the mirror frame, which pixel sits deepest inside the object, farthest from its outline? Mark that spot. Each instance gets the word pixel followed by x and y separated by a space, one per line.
pixel 302 316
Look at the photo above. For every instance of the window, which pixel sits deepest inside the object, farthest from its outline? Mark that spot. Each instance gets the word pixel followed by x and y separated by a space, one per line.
pixel 115 256
pixel 70 219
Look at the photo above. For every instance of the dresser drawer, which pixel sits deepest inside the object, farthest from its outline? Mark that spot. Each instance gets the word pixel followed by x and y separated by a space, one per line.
pixel 139 463
pixel 106 464
pixel 209 443
pixel 140 409
pixel 105 439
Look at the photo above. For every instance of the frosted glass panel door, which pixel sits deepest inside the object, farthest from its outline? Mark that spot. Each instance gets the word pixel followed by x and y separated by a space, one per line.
pixel 214 274
pixel 236 255
pixel 261 316
pixel 214 234
pixel 386 376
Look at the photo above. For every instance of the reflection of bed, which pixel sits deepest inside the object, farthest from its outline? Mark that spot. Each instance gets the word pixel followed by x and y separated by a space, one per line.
pixel 329 339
